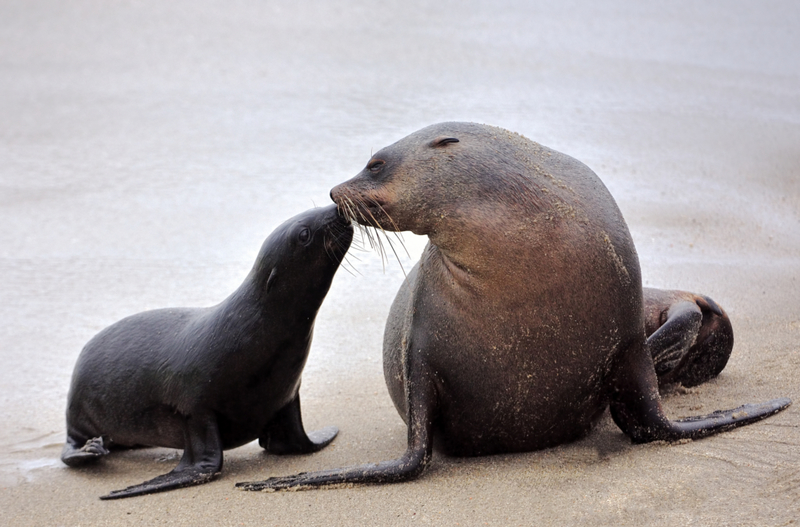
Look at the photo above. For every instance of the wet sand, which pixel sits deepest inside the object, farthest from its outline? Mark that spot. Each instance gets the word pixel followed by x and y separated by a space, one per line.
pixel 147 149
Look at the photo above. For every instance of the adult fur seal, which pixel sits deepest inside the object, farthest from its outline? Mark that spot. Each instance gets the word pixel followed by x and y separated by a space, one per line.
pixel 523 319
pixel 689 336
pixel 209 379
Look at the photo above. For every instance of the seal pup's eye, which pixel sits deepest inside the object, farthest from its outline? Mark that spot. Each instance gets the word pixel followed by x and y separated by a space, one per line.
pixel 375 165
pixel 304 235
pixel 443 141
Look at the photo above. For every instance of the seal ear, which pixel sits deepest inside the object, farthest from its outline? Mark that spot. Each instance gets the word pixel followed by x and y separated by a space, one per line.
pixel 443 141
pixel 271 280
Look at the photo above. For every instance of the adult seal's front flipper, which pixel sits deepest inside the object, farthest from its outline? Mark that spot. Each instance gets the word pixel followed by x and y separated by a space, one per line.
pixel 422 404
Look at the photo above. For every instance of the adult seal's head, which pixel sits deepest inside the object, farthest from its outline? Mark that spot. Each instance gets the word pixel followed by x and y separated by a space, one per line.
pixel 208 379
pixel 524 318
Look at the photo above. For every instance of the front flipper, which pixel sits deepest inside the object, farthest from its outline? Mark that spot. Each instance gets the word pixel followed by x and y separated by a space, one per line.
pixel 670 343
pixel 201 461
pixel 285 433
pixel 636 406
pixel 422 407
pixel 689 336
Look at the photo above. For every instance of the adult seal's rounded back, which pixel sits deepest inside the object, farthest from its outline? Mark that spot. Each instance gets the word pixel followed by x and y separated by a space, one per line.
pixel 213 378
pixel 523 319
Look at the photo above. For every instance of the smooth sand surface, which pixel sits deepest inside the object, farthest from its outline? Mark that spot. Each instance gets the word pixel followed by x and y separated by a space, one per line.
pixel 147 149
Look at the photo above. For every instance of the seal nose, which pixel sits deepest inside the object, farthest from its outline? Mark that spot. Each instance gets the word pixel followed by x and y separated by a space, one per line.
pixel 336 193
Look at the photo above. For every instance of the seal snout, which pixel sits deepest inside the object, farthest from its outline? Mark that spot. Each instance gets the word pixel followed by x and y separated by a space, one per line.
pixel 339 231
pixel 366 208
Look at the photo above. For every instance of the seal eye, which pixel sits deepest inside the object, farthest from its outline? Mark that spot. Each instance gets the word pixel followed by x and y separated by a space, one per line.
pixel 443 141
pixel 304 235
pixel 375 165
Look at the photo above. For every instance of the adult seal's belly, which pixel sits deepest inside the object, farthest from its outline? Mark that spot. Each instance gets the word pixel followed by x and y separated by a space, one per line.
pixel 524 318
pixel 209 379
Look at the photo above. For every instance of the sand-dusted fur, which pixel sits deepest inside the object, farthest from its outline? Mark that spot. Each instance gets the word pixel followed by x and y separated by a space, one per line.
pixel 524 317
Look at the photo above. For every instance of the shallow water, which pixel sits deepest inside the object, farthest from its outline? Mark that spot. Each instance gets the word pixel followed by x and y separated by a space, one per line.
pixel 147 149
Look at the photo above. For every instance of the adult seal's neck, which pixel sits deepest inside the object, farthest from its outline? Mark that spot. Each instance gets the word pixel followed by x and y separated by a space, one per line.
pixel 474 238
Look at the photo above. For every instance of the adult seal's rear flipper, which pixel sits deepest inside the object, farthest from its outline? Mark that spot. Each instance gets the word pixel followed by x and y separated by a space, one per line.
pixel 201 462
pixel 636 407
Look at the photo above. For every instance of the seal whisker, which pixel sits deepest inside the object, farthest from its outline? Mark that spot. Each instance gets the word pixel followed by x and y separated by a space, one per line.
pixel 397 257
pixel 352 210
pixel 350 264
pixel 376 225
pixel 348 208
pixel 394 225
pixel 374 239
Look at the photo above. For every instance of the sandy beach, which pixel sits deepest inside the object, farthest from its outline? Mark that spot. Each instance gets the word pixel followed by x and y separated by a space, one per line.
pixel 148 148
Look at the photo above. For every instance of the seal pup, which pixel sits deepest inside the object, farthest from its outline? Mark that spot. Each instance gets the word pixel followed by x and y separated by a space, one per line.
pixel 210 379
pixel 690 337
pixel 523 320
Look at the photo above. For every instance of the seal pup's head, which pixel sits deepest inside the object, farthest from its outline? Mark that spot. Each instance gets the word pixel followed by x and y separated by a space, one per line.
pixel 302 255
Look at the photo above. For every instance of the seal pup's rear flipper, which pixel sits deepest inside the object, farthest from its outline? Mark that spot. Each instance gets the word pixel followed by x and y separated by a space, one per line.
pixel 201 462
pixel 285 433
pixel 422 405
pixel 91 450
pixel 636 406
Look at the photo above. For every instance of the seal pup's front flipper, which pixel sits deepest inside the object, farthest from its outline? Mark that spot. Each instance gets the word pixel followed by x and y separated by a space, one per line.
pixel 201 461
pixel 422 408
pixel 636 406
pixel 669 344
pixel 690 337
pixel 285 433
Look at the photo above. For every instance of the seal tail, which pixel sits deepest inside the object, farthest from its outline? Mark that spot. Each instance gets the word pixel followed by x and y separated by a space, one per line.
pixel 636 407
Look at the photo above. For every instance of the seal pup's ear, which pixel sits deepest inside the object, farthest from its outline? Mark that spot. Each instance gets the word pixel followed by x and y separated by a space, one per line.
pixel 271 280
pixel 443 141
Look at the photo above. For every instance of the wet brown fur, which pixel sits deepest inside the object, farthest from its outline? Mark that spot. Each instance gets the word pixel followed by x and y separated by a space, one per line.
pixel 491 297
pixel 524 318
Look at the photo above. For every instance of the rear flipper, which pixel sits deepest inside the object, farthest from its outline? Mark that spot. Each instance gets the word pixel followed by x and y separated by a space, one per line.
pixel 201 462
pixel 690 337
pixel 636 407
pixel 421 404
pixel 92 450
pixel 285 433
